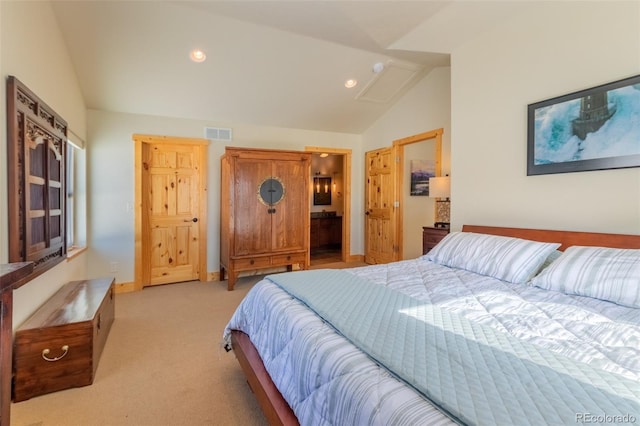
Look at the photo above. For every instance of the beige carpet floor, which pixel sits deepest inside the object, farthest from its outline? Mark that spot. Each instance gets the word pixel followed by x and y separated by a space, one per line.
pixel 163 364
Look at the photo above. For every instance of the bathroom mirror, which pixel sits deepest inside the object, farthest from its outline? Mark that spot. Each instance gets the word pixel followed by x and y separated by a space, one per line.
pixel 321 191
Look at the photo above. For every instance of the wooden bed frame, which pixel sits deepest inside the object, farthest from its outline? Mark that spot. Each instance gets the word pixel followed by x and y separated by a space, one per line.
pixel 276 409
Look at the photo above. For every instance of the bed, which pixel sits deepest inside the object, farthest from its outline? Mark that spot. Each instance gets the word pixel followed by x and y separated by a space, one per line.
pixel 493 326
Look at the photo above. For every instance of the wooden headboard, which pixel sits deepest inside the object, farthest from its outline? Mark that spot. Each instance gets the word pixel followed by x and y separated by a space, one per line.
pixel 567 238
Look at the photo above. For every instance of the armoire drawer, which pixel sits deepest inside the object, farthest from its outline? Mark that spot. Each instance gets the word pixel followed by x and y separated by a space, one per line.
pixel 286 259
pixel 252 263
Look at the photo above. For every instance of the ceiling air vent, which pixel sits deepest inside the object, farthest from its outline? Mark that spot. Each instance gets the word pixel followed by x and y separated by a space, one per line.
pixel 218 133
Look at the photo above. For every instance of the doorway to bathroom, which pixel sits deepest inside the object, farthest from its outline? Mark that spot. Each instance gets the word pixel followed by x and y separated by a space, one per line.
pixel 329 209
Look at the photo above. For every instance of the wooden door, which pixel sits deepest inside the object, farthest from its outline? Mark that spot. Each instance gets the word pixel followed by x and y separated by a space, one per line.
pixel 171 188
pixel 380 213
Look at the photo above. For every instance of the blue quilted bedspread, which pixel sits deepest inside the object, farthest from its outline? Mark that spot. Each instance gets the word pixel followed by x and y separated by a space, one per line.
pixel 462 366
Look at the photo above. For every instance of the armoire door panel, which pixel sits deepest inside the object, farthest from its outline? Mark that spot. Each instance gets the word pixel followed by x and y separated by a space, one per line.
pixel 289 217
pixel 252 228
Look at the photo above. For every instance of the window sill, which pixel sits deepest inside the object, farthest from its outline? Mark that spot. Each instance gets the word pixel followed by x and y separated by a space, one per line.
pixel 73 252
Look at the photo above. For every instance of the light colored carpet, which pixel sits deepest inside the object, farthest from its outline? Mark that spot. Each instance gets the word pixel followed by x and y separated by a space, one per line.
pixel 163 364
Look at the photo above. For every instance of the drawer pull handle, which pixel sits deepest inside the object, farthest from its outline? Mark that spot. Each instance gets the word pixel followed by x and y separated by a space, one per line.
pixel 46 352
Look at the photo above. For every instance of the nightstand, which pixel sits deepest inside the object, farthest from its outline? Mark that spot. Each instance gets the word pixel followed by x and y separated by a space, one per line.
pixel 432 236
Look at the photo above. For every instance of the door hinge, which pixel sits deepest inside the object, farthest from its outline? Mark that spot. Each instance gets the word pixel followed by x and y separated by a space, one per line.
pixel 397 158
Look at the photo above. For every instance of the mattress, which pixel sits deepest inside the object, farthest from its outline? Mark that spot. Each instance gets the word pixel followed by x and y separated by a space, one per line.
pixel 327 380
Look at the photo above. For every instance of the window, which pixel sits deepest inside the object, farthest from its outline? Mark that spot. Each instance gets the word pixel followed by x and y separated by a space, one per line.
pixel 70 195
pixel 76 195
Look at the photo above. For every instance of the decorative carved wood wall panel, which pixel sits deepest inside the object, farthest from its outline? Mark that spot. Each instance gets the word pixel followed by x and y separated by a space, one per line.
pixel 36 159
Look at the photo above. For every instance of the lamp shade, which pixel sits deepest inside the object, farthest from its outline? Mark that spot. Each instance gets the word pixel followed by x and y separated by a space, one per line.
pixel 440 187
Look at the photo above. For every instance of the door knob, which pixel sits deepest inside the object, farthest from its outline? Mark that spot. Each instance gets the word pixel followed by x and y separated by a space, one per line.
pixel 195 219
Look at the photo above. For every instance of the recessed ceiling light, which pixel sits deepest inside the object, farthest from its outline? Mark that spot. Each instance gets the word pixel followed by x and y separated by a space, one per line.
pixel 324 154
pixel 350 83
pixel 197 55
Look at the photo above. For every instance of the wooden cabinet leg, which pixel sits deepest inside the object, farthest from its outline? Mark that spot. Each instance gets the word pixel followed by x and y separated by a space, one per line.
pixel 233 276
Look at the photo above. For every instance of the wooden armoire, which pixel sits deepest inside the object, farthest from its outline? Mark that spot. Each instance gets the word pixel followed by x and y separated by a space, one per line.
pixel 264 210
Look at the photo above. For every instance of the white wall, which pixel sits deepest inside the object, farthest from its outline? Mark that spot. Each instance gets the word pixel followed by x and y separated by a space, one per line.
pixel 427 106
pixel 553 49
pixel 32 49
pixel 111 179
pixel 417 211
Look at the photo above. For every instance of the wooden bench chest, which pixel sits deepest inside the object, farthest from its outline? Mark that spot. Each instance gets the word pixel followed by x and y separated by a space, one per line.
pixel 60 345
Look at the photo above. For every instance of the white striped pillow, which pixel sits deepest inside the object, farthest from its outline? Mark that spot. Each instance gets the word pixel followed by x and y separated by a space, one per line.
pixel 505 258
pixel 602 273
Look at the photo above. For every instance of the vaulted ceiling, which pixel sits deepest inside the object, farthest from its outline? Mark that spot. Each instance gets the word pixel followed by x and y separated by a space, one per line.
pixel 271 63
